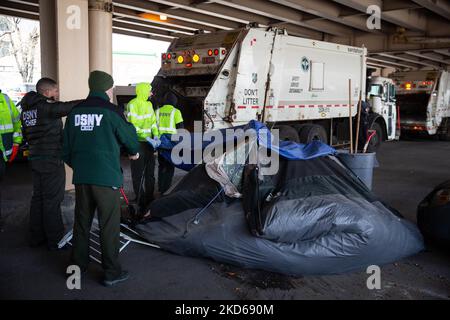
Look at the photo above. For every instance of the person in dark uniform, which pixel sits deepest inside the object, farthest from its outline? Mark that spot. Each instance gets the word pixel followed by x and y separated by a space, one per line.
pixel 94 134
pixel 10 138
pixel 43 130
pixel 169 120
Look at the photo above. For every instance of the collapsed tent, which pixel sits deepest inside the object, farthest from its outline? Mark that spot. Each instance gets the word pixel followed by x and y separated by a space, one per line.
pixel 312 217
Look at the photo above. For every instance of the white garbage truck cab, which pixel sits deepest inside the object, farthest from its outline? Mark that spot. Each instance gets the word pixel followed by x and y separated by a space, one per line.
pixel 382 97
pixel 298 85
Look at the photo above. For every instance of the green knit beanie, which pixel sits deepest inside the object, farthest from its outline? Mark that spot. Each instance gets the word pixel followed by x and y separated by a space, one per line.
pixel 100 81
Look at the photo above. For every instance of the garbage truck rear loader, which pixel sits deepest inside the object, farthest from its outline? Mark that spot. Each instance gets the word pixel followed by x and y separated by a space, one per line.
pixel 424 102
pixel 300 86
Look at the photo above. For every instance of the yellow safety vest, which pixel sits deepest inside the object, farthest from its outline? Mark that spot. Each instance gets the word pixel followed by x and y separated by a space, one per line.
pixel 167 118
pixel 140 113
pixel 10 126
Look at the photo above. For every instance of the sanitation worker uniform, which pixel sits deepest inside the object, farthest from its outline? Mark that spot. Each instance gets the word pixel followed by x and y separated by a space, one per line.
pixel 43 130
pixel 94 134
pixel 10 136
pixel 140 113
pixel 169 119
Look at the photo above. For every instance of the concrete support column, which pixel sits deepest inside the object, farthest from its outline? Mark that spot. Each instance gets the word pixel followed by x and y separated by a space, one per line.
pixel 65 49
pixel 100 35
pixel 47 17
pixel 65 45
pixel 73 48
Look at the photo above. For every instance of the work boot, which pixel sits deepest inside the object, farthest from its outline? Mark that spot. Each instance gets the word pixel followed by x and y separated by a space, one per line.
pixel 123 276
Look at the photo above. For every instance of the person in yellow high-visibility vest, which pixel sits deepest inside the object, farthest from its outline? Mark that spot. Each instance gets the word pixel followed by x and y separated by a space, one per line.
pixel 140 113
pixel 169 120
pixel 10 136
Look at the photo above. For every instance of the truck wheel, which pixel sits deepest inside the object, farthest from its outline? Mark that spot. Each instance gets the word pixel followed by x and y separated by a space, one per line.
pixel 287 133
pixel 299 127
pixel 313 132
pixel 377 139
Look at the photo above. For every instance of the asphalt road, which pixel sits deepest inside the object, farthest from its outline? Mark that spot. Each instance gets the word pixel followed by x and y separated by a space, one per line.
pixel 408 171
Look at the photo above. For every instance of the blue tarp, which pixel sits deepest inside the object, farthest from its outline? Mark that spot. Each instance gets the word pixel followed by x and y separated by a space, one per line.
pixel 286 149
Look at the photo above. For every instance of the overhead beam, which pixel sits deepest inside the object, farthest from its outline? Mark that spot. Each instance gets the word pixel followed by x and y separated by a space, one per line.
pixel 440 7
pixel 21 7
pixel 429 56
pixel 20 14
pixel 145 35
pixel 326 10
pixel 278 12
pixel 445 52
pixel 152 26
pixel 409 59
pixel 382 65
pixel 298 31
pixel 184 15
pixel 27 2
pixel 141 28
pixel 171 22
pixel 393 62
pixel 214 10
pixel 410 19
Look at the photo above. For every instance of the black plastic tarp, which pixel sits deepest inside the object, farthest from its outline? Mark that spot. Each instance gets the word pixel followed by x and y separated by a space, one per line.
pixel 313 217
pixel 433 215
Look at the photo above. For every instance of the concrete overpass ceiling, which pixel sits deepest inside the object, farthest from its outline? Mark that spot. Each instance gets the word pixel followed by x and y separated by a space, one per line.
pixel 414 34
pixel 23 9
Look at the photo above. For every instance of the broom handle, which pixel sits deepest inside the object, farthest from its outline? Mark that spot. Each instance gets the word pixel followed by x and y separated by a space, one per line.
pixel 350 113
pixel 124 196
pixel 358 122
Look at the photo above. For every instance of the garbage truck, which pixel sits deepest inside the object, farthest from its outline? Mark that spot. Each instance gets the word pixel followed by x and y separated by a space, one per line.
pixel 298 85
pixel 423 98
pixel 383 101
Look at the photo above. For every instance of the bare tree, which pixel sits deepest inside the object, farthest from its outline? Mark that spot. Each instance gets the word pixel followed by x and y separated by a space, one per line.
pixel 23 50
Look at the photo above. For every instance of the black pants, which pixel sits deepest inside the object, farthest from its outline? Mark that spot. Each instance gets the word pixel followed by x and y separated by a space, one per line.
pixel 2 174
pixel 146 160
pixel 106 201
pixel 49 180
pixel 166 171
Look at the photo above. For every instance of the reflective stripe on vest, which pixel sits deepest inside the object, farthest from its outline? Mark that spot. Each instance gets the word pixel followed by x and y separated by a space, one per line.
pixel 8 103
pixel 6 127
pixel 172 127
pixel 138 117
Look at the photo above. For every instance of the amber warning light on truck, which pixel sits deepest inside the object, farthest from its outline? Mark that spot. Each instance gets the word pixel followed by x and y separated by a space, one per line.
pixel 193 58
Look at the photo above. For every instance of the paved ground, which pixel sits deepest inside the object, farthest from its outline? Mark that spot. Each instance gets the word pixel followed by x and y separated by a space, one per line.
pixel 408 171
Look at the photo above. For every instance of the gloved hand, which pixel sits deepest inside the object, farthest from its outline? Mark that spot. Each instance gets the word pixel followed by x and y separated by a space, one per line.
pixel 154 142
pixel 134 157
pixel 15 151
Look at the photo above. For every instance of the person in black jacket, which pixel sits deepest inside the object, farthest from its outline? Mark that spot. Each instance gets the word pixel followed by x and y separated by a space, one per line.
pixel 42 128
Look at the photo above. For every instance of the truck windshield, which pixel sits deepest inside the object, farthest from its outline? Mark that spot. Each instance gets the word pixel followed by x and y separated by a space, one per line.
pixel 376 90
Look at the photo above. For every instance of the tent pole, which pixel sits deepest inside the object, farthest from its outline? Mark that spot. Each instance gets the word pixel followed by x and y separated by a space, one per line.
pixel 350 113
